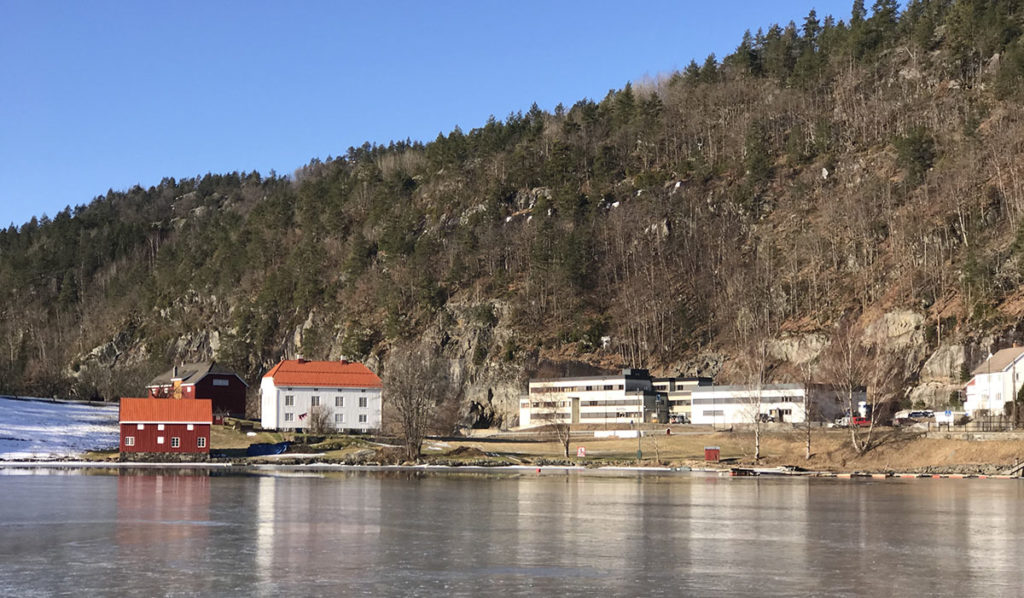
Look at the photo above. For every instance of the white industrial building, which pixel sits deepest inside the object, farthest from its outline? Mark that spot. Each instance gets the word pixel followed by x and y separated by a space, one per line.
pixel 349 392
pixel 728 405
pixel 995 382
pixel 625 398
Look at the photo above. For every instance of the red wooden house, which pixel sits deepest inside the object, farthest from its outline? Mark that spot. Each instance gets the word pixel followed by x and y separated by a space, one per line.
pixel 165 425
pixel 205 380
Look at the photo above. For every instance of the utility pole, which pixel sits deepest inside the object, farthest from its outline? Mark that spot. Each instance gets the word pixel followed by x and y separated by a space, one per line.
pixel 639 427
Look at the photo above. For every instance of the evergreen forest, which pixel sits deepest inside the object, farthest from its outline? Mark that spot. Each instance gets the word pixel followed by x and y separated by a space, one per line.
pixel 825 172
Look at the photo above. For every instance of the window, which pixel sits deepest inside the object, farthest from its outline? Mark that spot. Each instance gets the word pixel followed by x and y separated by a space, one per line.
pixel 160 427
pixel 339 401
pixel 362 401
pixel 314 401
pixel 289 417
pixel 289 400
pixel 713 413
pixel 129 441
pixel 362 418
pixel 201 442
pixel 159 439
pixel 175 442
pixel 191 427
pixel 221 382
pixel 141 426
pixel 339 418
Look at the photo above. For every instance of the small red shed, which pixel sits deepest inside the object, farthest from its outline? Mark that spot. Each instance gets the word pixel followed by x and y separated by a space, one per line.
pixel 165 425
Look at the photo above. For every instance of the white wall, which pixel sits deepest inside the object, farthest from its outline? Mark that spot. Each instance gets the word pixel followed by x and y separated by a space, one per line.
pixel 268 404
pixel 562 391
pixel 993 391
pixel 275 412
pixel 737 405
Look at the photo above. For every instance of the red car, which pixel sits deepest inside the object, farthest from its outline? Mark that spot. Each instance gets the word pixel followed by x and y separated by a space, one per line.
pixel 862 422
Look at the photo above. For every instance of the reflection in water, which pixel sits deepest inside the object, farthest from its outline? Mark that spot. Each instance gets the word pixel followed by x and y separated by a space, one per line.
pixel 415 534
pixel 315 530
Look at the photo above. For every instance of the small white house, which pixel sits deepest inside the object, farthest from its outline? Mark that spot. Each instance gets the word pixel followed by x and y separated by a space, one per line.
pixel 728 405
pixel 349 392
pixel 995 382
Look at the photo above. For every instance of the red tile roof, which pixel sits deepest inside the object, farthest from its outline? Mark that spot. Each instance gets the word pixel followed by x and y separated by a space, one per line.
pixel 333 374
pixel 166 411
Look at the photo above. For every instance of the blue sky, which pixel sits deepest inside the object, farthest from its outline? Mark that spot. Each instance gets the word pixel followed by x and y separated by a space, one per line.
pixel 97 95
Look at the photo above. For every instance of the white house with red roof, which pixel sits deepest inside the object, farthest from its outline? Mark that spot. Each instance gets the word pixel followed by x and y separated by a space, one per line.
pixel 348 391
pixel 995 382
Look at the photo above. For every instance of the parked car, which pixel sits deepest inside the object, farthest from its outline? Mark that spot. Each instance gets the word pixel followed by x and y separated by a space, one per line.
pixel 927 413
pixel 841 422
pixel 861 422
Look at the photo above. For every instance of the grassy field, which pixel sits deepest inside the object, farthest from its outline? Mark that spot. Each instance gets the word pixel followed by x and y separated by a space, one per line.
pixel 831 450
pixel 894 450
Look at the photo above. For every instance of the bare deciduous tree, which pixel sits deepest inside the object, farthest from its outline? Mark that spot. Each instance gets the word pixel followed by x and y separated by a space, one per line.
pixel 319 421
pixel 809 409
pixel 421 396
pixel 844 365
pixel 855 367
pixel 754 364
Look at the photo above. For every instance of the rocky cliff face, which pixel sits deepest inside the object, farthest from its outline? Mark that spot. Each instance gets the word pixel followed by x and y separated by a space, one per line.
pixel 486 357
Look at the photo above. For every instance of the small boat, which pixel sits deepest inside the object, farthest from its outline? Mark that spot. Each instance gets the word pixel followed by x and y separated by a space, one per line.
pixel 742 472
pixel 263 449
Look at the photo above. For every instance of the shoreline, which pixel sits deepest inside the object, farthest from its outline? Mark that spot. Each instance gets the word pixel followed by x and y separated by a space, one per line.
pixel 258 468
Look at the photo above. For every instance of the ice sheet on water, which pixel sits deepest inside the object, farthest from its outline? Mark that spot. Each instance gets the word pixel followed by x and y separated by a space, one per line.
pixel 44 430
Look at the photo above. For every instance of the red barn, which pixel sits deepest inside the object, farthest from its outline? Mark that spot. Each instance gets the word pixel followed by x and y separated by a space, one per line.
pixel 165 425
pixel 205 380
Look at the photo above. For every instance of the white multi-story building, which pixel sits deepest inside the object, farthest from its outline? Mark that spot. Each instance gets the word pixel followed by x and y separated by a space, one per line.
pixel 728 405
pixel 625 398
pixel 995 382
pixel 349 392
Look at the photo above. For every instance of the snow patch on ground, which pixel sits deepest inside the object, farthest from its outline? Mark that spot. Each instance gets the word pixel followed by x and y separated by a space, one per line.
pixel 50 430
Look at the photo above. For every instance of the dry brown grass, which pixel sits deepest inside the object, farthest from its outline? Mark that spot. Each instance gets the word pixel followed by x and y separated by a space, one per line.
pixel 830 450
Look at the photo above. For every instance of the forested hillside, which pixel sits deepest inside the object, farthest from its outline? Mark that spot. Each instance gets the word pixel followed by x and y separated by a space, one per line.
pixel 865 167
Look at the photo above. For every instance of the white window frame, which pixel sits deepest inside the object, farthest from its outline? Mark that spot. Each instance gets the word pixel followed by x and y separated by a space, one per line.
pixel 288 417
pixel 159 439
pixel 191 427
pixel 129 441
pixel 339 401
pixel 159 427
pixel 314 401
pixel 289 400
pixel 175 442
pixel 339 418
pixel 201 442
pixel 362 418
pixel 140 427
pixel 364 402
